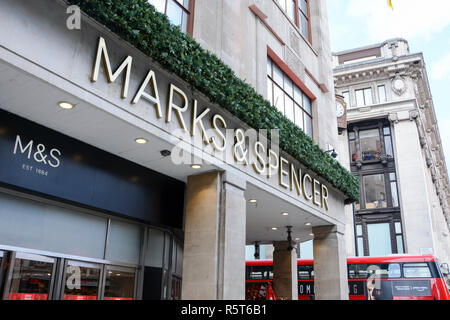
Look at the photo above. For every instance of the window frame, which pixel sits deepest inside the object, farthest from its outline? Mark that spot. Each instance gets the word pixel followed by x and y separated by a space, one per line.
pixel 385 166
pixel 189 11
pixel 379 86
pixel 296 82
pixel 380 126
pixel 297 20
pixel 365 220
pixel 363 90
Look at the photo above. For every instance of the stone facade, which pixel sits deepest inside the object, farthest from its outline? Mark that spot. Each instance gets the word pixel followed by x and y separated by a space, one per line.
pixel 44 63
pixel 399 92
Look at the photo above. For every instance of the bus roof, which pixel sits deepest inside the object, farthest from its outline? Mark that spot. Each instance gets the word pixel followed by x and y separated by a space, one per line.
pixel 353 260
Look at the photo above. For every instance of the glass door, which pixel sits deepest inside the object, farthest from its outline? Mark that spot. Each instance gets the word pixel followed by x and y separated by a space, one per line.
pixel 120 283
pixel 29 277
pixel 81 281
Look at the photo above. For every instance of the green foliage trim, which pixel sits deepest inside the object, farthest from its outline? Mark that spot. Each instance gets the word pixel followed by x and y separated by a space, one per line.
pixel 137 22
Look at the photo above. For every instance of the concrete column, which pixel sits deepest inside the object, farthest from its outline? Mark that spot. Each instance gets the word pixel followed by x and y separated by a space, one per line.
pixel 330 263
pixel 214 244
pixel 285 284
pixel 412 184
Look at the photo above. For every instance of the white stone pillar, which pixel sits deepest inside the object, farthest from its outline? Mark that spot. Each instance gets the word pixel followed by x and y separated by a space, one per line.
pixel 285 284
pixel 412 184
pixel 330 263
pixel 214 244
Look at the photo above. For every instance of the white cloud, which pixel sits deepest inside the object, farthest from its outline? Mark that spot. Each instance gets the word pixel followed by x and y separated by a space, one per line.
pixel 409 19
pixel 440 69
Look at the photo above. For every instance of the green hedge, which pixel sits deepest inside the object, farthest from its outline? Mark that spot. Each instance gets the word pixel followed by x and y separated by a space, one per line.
pixel 137 22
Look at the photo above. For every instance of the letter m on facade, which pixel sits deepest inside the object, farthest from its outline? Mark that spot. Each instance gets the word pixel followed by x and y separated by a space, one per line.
pixel 102 54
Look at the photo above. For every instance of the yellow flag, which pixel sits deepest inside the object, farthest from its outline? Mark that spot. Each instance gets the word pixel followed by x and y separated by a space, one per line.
pixel 390 4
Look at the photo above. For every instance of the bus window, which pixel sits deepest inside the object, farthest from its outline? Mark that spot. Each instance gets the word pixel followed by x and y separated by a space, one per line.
pixel 416 270
pixel 394 271
pixel 381 270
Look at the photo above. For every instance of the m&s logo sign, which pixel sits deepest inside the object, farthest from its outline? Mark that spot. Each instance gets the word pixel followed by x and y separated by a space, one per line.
pixel 38 152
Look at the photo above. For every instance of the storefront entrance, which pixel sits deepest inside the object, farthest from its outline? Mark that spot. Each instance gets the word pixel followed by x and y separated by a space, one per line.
pixel 59 252
pixel 26 276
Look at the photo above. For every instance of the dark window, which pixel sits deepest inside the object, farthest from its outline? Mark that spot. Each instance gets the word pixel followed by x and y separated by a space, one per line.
pixel 178 12
pixel 119 285
pixel 288 98
pixel 370 144
pixel 374 191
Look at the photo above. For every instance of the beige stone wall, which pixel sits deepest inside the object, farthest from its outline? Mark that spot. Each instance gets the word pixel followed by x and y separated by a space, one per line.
pixel 231 31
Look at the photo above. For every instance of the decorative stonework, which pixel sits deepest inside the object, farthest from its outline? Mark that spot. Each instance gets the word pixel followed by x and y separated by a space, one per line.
pixel 393 117
pixel 398 85
pixel 413 115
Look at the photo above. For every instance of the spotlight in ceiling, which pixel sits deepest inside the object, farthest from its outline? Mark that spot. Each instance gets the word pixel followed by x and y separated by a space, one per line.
pixel 196 166
pixel 141 140
pixel 285 213
pixel 253 201
pixel 65 105
pixel 274 228
pixel 308 224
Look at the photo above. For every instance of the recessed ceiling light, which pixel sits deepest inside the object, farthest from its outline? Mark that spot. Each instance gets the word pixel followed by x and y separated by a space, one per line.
pixel 253 201
pixel 196 166
pixel 311 234
pixel 285 213
pixel 141 140
pixel 308 224
pixel 274 228
pixel 297 239
pixel 65 105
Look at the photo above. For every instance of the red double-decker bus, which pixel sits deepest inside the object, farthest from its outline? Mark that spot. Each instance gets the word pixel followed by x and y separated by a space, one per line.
pixel 398 277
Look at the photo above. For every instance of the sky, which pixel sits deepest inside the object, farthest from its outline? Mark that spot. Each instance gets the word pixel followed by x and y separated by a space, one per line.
pixel 425 24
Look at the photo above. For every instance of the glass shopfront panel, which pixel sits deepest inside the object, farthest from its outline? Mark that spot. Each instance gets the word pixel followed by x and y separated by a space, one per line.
pixel 35 225
pixel 119 284
pixel 81 281
pixel 31 277
pixel 125 241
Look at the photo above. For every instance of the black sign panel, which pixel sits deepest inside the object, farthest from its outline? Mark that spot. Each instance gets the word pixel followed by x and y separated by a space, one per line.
pixel 357 288
pixel 306 287
pixel 44 161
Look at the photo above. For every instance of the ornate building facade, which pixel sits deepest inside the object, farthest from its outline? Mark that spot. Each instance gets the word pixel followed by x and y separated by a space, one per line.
pixel 391 141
